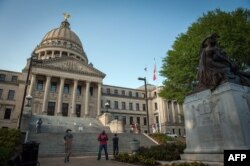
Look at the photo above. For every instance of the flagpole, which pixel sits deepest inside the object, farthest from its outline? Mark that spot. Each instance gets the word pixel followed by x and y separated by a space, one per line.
pixel 157 98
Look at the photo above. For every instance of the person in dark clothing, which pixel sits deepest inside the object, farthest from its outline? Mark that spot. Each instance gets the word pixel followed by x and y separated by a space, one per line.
pixel 39 123
pixel 115 145
pixel 103 138
pixel 68 139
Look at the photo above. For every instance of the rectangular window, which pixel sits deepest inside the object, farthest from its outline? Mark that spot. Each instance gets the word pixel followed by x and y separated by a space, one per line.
pixel 131 106
pixel 137 94
pixel 130 94
pixel 131 120
pixel 7 113
pixel 53 87
pixel 51 108
pixel 78 110
pixel 39 85
pixel 157 119
pixel 14 79
pixel 124 120
pixel 66 89
pixel 144 107
pixel 65 108
pixel 123 92
pixel 144 121
pixel 1 93
pixel 138 120
pixel 116 105
pixel 123 106
pixel 155 94
pixel 91 91
pixel 156 106
pixel 108 91
pixel 2 77
pixel 11 95
pixel 79 90
pixel 137 107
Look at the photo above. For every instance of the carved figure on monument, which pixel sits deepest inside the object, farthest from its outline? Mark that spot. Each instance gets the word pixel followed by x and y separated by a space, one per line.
pixel 215 67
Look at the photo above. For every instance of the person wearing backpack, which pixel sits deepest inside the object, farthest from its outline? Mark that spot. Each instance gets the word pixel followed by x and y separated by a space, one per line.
pixel 102 138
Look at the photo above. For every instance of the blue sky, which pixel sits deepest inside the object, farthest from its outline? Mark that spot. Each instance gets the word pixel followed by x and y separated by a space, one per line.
pixel 120 37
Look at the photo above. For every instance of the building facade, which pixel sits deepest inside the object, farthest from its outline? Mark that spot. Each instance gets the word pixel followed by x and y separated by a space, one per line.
pixel 63 83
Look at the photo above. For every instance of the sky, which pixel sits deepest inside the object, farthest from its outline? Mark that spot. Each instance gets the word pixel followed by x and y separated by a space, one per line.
pixel 120 37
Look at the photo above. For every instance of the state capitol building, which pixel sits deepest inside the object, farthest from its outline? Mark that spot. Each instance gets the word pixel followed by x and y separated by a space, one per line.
pixel 62 82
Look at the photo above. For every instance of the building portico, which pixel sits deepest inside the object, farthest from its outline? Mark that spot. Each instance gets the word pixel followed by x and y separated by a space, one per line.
pixel 59 94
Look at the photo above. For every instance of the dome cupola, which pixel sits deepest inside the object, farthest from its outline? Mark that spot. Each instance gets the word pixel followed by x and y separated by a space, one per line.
pixel 61 42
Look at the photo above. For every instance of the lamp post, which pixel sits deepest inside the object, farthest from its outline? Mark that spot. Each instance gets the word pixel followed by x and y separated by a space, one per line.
pixel 29 98
pixel 146 99
pixel 107 107
pixel 25 89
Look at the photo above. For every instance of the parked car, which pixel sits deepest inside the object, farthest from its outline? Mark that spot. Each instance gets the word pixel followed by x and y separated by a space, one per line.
pixel 172 135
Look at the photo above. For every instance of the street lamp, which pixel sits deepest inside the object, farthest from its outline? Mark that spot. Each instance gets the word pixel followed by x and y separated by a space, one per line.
pixel 25 88
pixel 29 98
pixel 146 99
pixel 107 106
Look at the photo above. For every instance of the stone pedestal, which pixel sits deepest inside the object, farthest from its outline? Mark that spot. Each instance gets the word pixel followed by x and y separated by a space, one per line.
pixel 116 126
pixel 217 121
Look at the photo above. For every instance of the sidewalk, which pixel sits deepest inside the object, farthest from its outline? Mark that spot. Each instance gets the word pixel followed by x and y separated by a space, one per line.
pixel 80 161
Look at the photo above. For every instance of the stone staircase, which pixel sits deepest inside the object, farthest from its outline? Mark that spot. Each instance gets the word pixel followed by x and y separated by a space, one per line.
pixel 52 144
pixel 59 124
pixel 85 142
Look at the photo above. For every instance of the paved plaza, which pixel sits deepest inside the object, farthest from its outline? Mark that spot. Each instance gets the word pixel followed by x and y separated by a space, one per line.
pixel 80 161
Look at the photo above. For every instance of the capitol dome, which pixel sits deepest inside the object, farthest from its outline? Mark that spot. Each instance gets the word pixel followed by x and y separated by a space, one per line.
pixel 61 42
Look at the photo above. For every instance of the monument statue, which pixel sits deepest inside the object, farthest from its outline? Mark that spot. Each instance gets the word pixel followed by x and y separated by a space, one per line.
pixel 215 67
pixel 217 120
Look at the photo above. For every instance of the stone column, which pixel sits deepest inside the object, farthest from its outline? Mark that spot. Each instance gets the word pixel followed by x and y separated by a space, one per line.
pixel 73 111
pixel 32 84
pixel 53 54
pixel 99 99
pixel 173 111
pixel 87 99
pixel 179 113
pixel 60 95
pixel 45 96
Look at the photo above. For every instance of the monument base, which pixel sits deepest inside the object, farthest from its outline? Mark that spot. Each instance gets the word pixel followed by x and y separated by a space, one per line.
pixel 203 157
pixel 217 121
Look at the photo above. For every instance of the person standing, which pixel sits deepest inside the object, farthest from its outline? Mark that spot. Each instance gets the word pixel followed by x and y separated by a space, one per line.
pixel 115 145
pixel 103 138
pixel 38 125
pixel 68 139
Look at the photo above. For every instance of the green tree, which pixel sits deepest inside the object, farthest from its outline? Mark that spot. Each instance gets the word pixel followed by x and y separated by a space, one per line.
pixel 180 65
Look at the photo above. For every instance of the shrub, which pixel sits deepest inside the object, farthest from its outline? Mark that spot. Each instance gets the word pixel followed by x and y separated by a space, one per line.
pixel 167 152
pixel 161 138
pixel 135 158
pixel 9 139
pixel 187 164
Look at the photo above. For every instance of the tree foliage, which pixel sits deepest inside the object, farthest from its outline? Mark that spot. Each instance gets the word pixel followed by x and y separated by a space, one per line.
pixel 180 65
